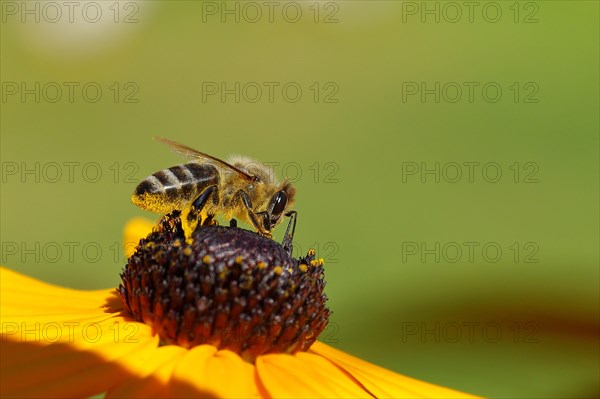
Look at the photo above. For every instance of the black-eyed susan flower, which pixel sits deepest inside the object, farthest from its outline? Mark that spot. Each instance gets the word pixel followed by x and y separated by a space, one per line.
pixel 227 314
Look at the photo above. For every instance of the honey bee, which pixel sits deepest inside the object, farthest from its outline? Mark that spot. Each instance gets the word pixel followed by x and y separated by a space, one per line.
pixel 207 186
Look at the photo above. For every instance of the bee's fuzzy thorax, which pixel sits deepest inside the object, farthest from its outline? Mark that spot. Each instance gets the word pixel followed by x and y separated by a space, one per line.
pixel 246 164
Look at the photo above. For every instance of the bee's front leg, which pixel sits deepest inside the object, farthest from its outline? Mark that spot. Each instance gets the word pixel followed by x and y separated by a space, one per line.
pixel 288 237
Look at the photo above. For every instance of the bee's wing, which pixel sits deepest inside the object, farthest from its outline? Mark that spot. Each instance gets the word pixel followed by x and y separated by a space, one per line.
pixel 197 155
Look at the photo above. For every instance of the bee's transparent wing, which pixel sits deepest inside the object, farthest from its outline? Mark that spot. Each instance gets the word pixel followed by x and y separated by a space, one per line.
pixel 200 156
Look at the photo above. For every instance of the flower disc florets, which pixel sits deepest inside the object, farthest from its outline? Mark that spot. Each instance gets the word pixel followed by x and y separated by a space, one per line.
pixel 229 287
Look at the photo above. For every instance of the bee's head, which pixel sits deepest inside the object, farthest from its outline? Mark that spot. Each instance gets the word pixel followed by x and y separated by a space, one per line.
pixel 281 201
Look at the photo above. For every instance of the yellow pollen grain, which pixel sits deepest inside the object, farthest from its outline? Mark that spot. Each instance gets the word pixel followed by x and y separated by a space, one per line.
pixel 278 270
pixel 246 285
pixel 207 259
pixel 222 275
pixel 261 265
pixel 239 259
pixel 177 244
pixel 303 267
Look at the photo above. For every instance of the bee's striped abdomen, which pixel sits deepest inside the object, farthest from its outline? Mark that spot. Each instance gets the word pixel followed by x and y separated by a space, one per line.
pixel 174 187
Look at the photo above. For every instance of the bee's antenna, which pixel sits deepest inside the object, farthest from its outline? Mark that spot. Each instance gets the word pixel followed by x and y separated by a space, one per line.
pixel 288 237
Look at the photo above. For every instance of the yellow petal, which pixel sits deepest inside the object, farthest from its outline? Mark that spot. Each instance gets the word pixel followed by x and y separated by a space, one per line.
pixel 59 370
pixel 206 372
pixel 14 285
pixel 381 382
pixel 60 342
pixel 153 375
pixel 26 302
pixel 305 375
pixel 33 311
pixel 135 230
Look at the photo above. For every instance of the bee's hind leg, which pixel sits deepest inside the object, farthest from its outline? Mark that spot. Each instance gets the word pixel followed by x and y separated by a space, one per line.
pixel 199 203
pixel 210 221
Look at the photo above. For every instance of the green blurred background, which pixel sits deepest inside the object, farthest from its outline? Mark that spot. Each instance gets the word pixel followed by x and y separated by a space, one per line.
pixel 520 324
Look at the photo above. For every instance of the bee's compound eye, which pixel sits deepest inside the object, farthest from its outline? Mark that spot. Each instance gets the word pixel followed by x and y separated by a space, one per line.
pixel 278 204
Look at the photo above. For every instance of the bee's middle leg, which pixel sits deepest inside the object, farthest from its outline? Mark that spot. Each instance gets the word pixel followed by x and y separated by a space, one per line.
pixel 199 203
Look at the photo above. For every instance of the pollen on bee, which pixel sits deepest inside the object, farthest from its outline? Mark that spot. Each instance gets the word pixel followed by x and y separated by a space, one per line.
pixel 207 259
pixel 239 259
pixel 303 267
pixel 261 265
pixel 152 202
pixel 278 270
pixel 187 251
